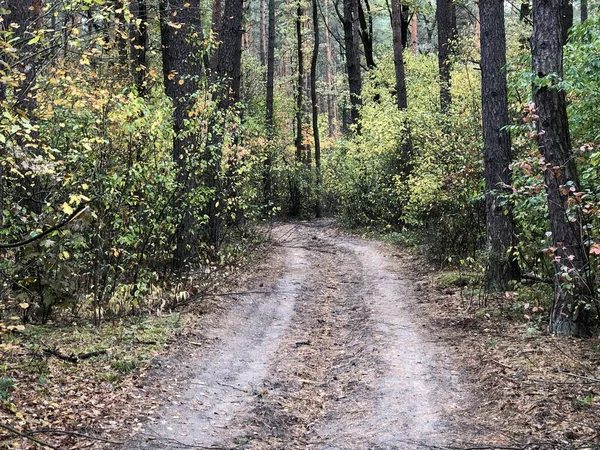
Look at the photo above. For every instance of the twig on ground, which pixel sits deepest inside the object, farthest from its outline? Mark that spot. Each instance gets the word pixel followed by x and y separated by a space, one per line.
pixel 232 387
pixel 73 358
pixel 76 433
pixel 595 380
pixel 27 436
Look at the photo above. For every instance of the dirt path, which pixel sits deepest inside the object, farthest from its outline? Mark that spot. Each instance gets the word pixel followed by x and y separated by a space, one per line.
pixel 329 354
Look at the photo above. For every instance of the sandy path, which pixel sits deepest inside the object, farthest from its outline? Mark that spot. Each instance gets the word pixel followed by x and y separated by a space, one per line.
pixel 329 355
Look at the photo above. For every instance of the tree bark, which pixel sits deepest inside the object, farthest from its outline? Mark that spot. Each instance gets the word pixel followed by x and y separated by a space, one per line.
pixel 329 76
pixel 269 101
pixel 572 289
pixel 365 23
pixel 405 23
pixel 446 22
pixel 397 33
pixel 25 15
pixel 567 19
pixel 414 36
pixel 299 80
pixel 584 10
pixel 352 62
pixel 179 20
pixel 500 230
pixel 216 22
pixel 315 108
pixel 229 72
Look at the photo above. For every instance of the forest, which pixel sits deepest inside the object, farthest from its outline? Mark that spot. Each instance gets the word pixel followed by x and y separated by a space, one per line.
pixel 144 145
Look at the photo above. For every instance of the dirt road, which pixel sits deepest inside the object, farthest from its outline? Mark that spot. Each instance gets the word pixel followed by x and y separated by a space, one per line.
pixel 327 353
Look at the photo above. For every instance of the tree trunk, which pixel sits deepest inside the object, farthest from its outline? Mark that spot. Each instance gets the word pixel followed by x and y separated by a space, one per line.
pixel 247 33
pixel 139 45
pixel 572 291
pixel 414 36
pixel 179 19
pixel 500 230
pixel 404 23
pixel 477 31
pixel 299 80
pixel 216 22
pixel 584 10
pixel 229 71
pixel 315 108
pixel 25 15
pixel 269 100
pixel 352 62
pixel 567 19
pixel 365 23
pixel 525 11
pixel 397 33
pixel 446 22
pixel 329 71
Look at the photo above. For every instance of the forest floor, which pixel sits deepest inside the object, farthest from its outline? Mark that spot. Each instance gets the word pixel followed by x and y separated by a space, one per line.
pixel 334 342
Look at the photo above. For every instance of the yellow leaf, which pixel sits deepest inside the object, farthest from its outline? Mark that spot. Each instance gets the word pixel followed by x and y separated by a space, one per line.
pixel 66 208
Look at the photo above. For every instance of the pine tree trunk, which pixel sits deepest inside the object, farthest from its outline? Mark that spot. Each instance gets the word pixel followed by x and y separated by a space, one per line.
pixel 567 19
pixel 398 28
pixel 414 36
pixel 352 62
pixel 299 80
pixel 500 229
pixel 269 101
pixel 329 77
pixel 181 65
pixel 216 22
pixel 446 22
pixel 229 72
pixel 572 289
pixel 365 30
pixel 315 108
pixel 404 23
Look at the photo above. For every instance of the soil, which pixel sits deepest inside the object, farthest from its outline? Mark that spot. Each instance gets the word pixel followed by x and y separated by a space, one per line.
pixel 326 346
pixel 333 342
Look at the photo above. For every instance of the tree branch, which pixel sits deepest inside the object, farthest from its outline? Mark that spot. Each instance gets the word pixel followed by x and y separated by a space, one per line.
pixel 83 207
